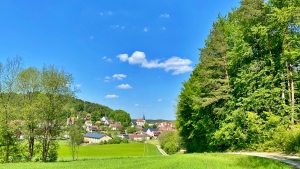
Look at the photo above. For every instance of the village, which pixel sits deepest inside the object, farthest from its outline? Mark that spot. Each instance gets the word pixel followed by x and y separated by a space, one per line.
pixel 102 129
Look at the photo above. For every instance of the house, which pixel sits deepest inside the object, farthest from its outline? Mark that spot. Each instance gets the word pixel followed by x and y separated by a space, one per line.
pixel 105 120
pixel 88 123
pixel 123 136
pixel 92 129
pixel 115 125
pixel 140 122
pixel 98 122
pixel 139 137
pixel 152 132
pixel 95 138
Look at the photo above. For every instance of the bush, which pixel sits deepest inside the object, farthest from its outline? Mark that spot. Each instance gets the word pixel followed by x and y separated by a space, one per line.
pixel 125 140
pixel 104 142
pixel 169 142
pixel 101 142
pixel 117 140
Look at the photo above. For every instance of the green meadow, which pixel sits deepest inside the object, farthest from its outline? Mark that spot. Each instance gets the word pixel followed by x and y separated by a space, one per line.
pixel 107 150
pixel 180 161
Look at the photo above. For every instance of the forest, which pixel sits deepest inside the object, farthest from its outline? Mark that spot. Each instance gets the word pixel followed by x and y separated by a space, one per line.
pixel 36 103
pixel 244 92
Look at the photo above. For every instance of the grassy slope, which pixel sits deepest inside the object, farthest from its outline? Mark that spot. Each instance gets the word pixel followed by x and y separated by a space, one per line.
pixel 182 161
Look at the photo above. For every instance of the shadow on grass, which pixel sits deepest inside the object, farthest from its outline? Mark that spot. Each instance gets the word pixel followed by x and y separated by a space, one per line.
pixel 259 162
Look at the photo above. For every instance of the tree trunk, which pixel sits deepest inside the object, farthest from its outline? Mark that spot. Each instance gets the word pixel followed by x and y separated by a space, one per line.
pixel 292 93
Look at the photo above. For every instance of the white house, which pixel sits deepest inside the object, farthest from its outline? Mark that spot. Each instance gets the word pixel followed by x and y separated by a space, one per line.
pixel 105 120
pixel 151 132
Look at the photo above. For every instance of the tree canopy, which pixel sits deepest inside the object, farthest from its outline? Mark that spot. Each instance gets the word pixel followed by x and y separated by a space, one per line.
pixel 244 89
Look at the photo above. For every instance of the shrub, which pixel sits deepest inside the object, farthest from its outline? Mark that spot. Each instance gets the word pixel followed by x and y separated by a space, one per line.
pixel 125 140
pixel 169 142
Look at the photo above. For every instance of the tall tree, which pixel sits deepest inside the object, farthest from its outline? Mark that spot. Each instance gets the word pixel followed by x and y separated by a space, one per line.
pixel 29 86
pixel 8 82
pixel 56 89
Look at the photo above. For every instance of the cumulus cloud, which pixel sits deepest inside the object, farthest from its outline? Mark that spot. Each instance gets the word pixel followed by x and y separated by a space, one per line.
pixel 159 100
pixel 119 76
pixel 111 96
pixel 124 86
pixel 136 105
pixel 123 57
pixel 175 64
pixel 165 15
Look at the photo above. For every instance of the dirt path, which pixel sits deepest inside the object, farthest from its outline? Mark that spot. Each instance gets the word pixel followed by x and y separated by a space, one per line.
pixel 161 151
pixel 291 160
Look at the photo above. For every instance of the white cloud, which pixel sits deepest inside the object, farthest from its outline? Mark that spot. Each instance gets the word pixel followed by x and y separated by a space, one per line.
pixel 123 27
pixel 124 86
pixel 78 85
pixel 107 59
pixel 114 26
pixel 163 28
pixel 146 29
pixel 106 13
pixel 111 96
pixel 137 57
pixel 175 64
pixel 136 105
pixel 119 76
pixel 106 80
pixel 165 15
pixel 159 100
pixel 107 77
pixel 123 57
pixel 91 37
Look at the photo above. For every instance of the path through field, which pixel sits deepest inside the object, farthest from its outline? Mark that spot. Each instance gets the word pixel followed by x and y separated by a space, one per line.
pixel 161 151
pixel 292 160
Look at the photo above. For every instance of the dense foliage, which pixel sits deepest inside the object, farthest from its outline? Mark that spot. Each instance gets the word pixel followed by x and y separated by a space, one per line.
pixel 244 92
pixel 170 142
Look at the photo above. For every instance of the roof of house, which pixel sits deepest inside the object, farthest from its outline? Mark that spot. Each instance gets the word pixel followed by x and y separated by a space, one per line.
pixel 94 135
pixel 137 135
pixel 151 129
pixel 140 120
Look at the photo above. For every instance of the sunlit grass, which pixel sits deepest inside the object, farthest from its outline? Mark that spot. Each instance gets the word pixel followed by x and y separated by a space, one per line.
pixel 96 150
pixel 180 161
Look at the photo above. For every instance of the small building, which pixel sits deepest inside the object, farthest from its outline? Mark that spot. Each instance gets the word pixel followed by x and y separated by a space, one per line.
pixel 139 137
pixel 105 120
pixel 95 138
pixel 123 136
pixel 140 122
pixel 152 132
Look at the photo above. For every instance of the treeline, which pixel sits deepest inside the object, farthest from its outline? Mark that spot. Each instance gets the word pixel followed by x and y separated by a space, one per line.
pixel 244 93
pixel 77 107
pixel 35 103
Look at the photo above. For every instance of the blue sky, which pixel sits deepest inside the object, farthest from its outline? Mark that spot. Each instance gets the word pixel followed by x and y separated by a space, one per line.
pixel 131 55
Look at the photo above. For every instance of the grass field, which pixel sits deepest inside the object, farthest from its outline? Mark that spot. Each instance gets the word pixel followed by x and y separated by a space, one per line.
pixel 180 161
pixel 132 149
